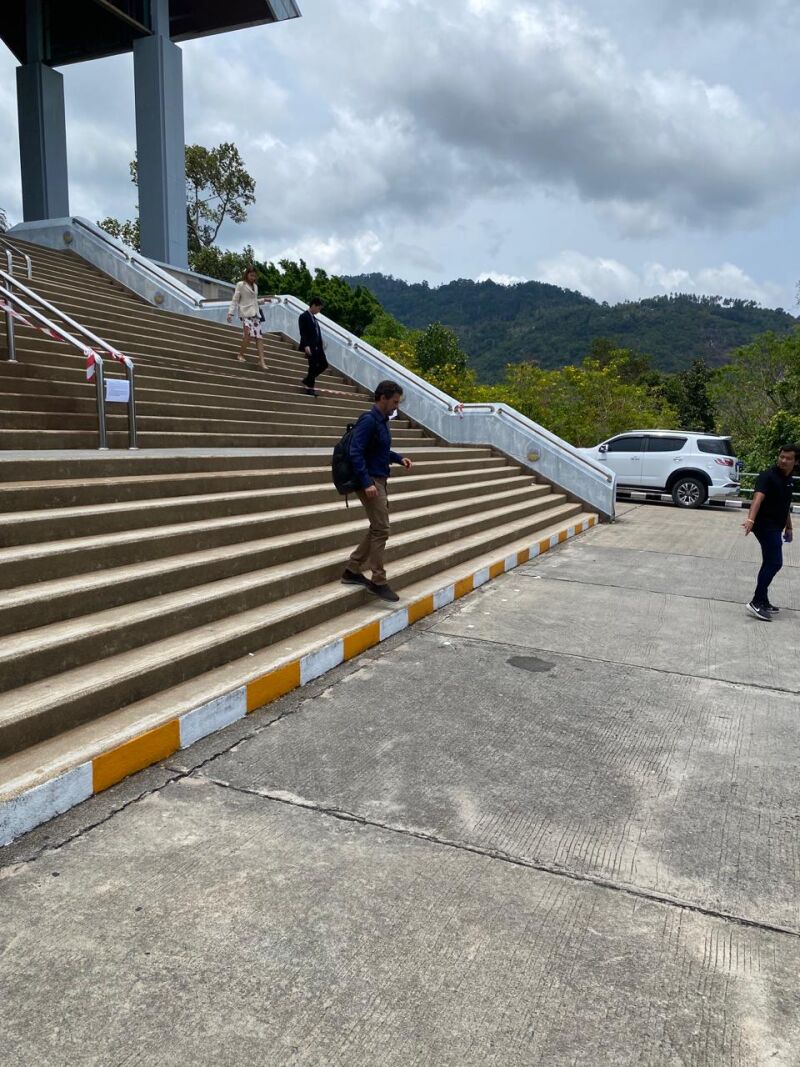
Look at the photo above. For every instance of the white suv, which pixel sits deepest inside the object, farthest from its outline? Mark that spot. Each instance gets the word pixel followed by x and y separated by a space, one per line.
pixel 692 467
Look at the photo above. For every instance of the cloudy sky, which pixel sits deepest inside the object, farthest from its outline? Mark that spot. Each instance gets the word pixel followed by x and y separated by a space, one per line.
pixel 619 147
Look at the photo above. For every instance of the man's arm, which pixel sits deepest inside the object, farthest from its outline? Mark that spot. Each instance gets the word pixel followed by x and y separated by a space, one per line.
pixel 755 504
pixel 787 530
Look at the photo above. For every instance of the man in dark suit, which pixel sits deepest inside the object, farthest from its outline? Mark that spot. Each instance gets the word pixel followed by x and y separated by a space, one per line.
pixel 311 344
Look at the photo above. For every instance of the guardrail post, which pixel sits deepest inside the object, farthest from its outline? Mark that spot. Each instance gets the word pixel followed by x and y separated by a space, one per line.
pixel 10 338
pixel 130 371
pixel 100 387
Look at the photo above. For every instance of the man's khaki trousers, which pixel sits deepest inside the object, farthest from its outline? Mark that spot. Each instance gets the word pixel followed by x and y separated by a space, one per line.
pixel 369 553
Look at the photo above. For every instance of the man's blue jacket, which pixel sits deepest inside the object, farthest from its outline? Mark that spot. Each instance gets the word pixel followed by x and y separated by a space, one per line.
pixel 371 447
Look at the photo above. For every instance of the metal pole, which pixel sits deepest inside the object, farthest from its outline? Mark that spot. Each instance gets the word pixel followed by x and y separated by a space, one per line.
pixel 100 386
pixel 10 340
pixel 129 370
pixel 10 261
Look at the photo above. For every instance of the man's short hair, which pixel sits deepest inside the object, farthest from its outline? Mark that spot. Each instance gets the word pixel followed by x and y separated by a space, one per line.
pixel 388 389
pixel 315 302
pixel 790 448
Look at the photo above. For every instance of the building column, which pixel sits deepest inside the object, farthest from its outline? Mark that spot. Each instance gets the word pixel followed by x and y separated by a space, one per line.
pixel 160 145
pixel 42 142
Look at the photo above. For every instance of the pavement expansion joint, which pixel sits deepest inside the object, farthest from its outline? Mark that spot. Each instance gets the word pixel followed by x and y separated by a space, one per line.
pixel 613 662
pixel 635 589
pixel 555 870
pixel 82 831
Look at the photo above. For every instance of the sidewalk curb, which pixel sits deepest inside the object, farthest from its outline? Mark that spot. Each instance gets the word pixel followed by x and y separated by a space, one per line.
pixel 643 494
pixel 35 805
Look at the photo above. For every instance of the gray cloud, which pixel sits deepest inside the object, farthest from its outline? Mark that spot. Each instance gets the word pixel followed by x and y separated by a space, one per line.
pixel 514 95
pixel 411 119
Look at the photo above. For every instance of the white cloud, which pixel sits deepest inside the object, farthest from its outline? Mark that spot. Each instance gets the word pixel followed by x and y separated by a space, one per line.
pixel 337 255
pixel 612 281
pixel 499 279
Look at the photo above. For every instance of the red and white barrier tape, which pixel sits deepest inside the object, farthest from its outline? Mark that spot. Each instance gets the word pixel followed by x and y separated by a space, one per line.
pixel 91 355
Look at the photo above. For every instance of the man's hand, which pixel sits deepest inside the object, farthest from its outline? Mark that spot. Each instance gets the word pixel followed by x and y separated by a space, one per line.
pixel 371 492
pixel 407 463
pixel 787 535
pixel 307 350
pixel 747 526
pixel 229 318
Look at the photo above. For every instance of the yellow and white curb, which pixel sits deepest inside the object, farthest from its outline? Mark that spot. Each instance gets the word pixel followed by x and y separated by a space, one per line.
pixel 33 806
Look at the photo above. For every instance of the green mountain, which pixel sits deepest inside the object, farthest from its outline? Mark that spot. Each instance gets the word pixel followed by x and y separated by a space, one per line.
pixel 499 324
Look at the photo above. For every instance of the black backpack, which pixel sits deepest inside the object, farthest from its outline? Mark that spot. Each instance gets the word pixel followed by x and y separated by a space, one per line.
pixel 341 465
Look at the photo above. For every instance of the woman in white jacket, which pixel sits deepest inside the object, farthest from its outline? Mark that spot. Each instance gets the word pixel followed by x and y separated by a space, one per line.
pixel 246 299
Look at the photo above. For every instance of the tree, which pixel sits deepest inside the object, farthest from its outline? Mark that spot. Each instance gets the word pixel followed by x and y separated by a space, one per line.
pixel 128 231
pixel 783 428
pixel 688 393
pixel 438 347
pixel 632 366
pixel 217 188
pixel 583 404
pixel 762 379
pixel 3 221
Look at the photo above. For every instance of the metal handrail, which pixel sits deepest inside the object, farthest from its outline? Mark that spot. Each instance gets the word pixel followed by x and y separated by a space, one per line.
pixel 134 257
pixel 10 248
pixel 375 354
pixel 54 328
pixel 507 412
pixel 751 489
pixel 441 398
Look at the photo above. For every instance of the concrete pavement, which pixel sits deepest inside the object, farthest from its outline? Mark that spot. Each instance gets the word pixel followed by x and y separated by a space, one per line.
pixel 555 823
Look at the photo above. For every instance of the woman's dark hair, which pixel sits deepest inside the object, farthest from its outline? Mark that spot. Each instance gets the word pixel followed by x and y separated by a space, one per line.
pixel 388 389
pixel 247 271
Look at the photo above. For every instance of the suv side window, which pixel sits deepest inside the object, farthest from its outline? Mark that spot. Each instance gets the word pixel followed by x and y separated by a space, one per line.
pixel 625 444
pixel 715 446
pixel 665 444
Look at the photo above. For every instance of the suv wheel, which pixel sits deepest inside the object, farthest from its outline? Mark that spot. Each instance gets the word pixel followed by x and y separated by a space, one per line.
pixel 689 492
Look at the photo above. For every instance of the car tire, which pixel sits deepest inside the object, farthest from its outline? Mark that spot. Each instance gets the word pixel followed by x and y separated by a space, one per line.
pixel 689 492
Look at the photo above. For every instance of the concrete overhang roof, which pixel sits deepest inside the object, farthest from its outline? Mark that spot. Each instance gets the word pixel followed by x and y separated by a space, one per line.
pixel 80 30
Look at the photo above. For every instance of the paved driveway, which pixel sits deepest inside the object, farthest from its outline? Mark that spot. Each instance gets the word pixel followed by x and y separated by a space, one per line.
pixel 556 823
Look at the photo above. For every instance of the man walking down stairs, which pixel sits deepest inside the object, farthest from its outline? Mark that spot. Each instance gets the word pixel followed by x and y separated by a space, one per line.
pixel 371 454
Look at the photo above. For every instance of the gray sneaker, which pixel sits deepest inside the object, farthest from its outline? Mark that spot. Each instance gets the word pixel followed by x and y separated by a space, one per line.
pixel 758 612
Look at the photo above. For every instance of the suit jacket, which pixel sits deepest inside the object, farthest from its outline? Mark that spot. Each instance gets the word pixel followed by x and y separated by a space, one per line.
pixel 310 334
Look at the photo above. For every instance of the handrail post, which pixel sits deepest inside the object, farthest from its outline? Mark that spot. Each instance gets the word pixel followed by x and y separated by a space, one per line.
pixel 100 392
pixel 10 337
pixel 130 371
pixel 10 261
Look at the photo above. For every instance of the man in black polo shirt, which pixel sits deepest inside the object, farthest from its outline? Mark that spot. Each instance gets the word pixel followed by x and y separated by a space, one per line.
pixel 770 519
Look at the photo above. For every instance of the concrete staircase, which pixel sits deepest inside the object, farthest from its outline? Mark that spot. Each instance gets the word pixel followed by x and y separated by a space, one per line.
pixel 133 585
pixel 190 390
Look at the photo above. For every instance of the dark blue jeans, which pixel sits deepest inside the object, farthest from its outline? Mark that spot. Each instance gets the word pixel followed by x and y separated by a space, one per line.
pixel 771 562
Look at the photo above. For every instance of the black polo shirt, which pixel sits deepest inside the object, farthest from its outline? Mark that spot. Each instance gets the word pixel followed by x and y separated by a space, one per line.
pixel 777 490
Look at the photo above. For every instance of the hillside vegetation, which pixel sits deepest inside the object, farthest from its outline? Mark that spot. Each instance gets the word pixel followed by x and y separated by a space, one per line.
pixel 533 321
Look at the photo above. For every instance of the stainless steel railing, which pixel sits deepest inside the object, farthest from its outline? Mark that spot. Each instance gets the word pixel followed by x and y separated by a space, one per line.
pixel 33 307
pixel 11 250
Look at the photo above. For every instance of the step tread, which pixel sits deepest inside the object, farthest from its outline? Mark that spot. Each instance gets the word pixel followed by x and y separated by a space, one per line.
pixel 51 692
pixel 46 760
pixel 135 507
pixel 44 591
pixel 54 635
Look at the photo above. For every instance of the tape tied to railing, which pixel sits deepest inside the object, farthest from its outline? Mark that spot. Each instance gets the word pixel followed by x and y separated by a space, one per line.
pixel 4 306
pixel 92 357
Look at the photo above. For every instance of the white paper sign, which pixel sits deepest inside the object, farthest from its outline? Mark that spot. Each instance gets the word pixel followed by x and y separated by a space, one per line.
pixel 118 390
